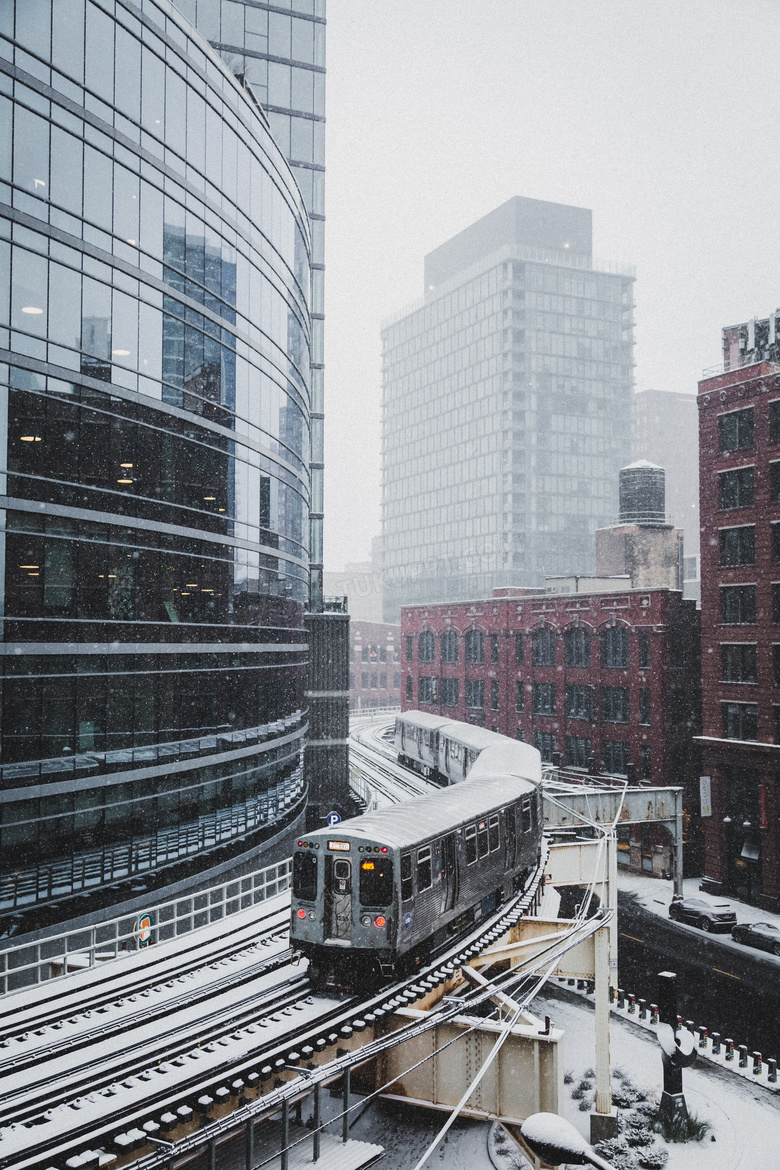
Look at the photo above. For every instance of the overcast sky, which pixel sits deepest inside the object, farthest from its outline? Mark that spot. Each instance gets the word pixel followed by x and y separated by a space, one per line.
pixel 661 116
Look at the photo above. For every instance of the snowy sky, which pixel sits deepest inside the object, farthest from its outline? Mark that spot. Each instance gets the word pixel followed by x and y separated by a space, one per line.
pixel 660 115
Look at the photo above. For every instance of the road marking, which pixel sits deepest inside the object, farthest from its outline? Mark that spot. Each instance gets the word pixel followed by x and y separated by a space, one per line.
pixel 632 937
pixel 727 973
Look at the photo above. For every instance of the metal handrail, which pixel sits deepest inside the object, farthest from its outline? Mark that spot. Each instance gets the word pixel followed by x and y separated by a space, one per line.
pixel 31 963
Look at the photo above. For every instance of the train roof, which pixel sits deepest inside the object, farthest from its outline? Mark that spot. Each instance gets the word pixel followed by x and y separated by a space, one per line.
pixel 475 737
pixel 423 719
pixel 507 757
pixel 404 825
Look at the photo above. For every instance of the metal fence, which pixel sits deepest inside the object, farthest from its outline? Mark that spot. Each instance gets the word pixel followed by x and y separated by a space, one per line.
pixel 89 869
pixel 31 963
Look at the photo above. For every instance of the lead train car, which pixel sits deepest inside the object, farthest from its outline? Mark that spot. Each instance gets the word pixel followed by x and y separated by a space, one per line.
pixel 440 748
pixel 380 893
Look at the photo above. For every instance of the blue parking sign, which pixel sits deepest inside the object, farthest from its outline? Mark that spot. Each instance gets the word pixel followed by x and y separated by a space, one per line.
pixel 334 818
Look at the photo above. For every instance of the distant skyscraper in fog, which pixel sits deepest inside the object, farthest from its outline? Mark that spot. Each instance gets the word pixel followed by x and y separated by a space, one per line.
pixel 506 408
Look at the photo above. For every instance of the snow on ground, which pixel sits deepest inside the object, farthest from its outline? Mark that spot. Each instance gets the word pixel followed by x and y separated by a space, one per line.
pixel 745 1119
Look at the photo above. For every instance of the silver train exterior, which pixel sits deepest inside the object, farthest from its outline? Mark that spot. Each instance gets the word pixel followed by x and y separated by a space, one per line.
pixel 440 748
pixel 380 894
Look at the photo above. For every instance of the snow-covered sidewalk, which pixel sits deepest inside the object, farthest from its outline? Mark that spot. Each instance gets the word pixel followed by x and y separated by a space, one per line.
pixel 745 1119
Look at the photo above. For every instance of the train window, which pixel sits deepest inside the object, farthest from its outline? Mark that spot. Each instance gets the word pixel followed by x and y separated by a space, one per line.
pixel 305 876
pixel 471 844
pixel 482 838
pixel 527 819
pixel 495 840
pixel 424 870
pixel 376 881
pixel 406 877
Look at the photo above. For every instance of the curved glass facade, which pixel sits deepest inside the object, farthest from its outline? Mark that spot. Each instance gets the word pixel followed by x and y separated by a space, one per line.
pixel 155 420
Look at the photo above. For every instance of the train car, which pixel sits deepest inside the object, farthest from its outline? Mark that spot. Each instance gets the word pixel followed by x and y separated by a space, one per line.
pixel 460 745
pixel 380 894
pixel 417 741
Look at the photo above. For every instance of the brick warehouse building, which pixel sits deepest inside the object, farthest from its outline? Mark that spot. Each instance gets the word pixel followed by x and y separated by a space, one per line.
pixel 739 435
pixel 609 680
pixel 374 665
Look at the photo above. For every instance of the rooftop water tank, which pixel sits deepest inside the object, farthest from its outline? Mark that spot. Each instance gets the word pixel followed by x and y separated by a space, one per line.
pixel 642 493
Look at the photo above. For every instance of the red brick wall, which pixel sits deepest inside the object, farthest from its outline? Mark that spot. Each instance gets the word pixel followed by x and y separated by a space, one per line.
pixel 672 677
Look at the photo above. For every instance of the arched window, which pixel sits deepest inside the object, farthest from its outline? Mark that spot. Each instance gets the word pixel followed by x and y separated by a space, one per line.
pixel 543 647
pixel 577 647
pixel 614 646
pixel 449 646
pixel 426 647
pixel 475 646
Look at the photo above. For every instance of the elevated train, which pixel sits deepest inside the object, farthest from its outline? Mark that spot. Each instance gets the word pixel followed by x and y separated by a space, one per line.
pixel 441 749
pixel 379 895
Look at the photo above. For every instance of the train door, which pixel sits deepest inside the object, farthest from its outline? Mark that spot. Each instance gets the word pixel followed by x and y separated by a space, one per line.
pixel 511 836
pixel 449 863
pixel 338 910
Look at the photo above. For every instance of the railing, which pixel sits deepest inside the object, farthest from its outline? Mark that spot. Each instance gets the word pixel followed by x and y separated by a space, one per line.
pixel 31 963
pixel 91 869
pixel 747 359
pixel 374 712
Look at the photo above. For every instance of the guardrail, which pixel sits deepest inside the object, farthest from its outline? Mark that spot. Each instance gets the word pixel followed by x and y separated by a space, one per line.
pixel 31 963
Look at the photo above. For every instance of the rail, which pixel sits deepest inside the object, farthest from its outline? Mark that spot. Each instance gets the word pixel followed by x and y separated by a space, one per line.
pixel 49 958
pixel 91 869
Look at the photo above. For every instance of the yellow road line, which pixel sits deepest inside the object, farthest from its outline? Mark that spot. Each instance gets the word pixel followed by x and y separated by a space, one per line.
pixel 631 936
pixel 727 973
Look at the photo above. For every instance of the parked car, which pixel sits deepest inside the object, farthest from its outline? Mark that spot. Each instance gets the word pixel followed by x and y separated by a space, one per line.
pixel 764 935
pixel 705 915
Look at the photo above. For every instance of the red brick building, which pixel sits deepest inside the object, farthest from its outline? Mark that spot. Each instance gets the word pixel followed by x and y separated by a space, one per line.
pixel 608 680
pixel 739 436
pixel 374 665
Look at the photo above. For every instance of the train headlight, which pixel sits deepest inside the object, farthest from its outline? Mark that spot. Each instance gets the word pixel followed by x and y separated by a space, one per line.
pixel 380 920
pixel 365 920
pixel 301 913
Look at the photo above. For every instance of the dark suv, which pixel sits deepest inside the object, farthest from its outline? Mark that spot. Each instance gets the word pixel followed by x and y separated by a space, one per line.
pixel 705 915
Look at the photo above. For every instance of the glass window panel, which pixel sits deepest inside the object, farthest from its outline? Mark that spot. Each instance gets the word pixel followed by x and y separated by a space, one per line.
pixel 124 334
pixel 28 304
pixel 66 170
pixel 301 139
pixel 128 74
pixel 232 23
pixel 100 53
pixel 278 84
pixel 151 220
pixel 96 319
pixel 5 291
pixel 98 182
pixel 196 130
pixel 65 306
pixel 31 152
pixel 175 112
pixel 33 25
pixel 153 93
pixel 278 34
pixel 5 138
pixel 303 40
pixel 319 144
pixel 126 204
pixel 68 37
pixel 303 90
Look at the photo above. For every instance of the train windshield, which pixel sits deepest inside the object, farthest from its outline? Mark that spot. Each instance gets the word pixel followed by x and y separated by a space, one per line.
pixel 376 881
pixel 305 876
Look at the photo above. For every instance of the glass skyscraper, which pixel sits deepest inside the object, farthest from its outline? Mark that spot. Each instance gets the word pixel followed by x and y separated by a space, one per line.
pixel 156 335
pixel 278 51
pixel 506 409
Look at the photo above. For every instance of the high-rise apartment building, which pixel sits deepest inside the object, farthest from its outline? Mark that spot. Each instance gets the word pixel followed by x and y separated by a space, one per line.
pixel 739 445
pixel 506 398
pixel 156 408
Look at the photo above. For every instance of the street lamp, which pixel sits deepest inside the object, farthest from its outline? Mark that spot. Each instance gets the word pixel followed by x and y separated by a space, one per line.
pixel 556 1141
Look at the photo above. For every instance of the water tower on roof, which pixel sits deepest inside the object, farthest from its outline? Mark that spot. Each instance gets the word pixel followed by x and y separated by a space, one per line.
pixel 642 493
pixel 643 545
